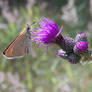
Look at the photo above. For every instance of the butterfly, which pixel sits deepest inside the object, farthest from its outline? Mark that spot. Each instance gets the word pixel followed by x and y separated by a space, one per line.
pixel 20 46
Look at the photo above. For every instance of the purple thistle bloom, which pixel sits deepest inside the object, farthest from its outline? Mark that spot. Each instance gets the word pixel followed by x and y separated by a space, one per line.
pixel 46 32
pixel 82 45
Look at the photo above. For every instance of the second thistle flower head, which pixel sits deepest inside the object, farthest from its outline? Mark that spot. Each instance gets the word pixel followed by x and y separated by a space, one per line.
pixel 81 46
pixel 46 32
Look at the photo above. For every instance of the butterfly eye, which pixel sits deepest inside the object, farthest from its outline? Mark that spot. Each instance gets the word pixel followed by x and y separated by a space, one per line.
pixel 28 28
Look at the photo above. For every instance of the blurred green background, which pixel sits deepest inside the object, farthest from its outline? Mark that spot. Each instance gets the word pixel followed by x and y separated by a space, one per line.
pixel 41 71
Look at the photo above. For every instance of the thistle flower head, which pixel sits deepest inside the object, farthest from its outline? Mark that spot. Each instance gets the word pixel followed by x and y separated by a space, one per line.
pixel 46 32
pixel 82 45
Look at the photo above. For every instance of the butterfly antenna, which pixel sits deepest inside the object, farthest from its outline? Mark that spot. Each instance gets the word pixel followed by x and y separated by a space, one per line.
pixel 33 22
pixel 28 25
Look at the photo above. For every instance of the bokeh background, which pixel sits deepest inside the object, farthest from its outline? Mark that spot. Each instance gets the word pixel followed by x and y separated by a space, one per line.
pixel 41 71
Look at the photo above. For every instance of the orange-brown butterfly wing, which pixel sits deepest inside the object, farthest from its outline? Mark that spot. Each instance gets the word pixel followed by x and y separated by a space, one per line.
pixel 17 47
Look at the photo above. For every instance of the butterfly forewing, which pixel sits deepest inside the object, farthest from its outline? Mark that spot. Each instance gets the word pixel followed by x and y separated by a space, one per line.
pixel 18 47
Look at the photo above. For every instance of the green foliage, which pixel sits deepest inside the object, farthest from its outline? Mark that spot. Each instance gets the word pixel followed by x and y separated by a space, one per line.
pixel 82 7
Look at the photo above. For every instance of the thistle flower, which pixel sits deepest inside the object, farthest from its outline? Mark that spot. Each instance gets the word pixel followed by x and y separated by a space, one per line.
pixel 46 32
pixel 81 46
